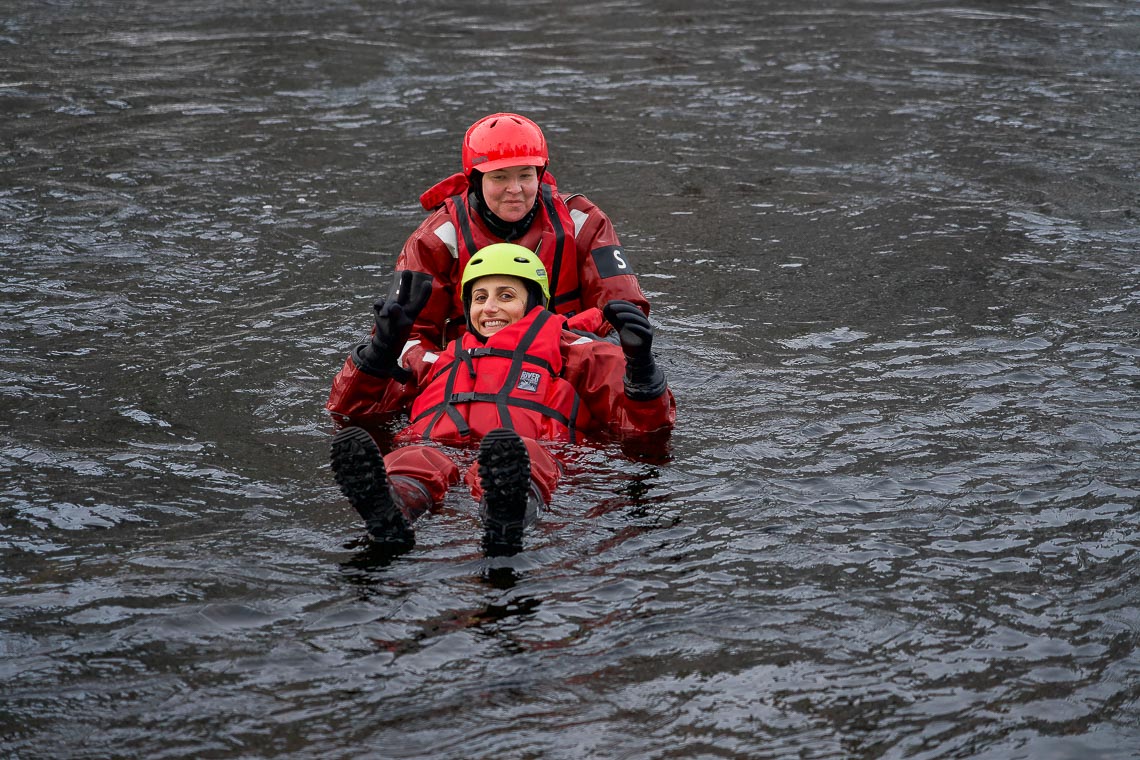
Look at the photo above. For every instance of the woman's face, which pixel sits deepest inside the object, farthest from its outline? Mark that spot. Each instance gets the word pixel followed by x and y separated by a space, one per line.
pixel 497 300
pixel 510 192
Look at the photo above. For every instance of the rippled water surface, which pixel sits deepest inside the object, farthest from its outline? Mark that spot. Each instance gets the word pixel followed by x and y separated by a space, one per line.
pixel 892 248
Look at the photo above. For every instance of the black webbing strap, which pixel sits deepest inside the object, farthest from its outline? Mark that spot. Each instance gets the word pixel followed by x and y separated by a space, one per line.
pixel 464 224
pixel 502 399
pixel 559 240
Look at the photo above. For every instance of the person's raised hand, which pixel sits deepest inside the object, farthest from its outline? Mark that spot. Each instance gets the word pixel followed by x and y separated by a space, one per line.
pixel 632 326
pixel 394 317
pixel 396 314
pixel 644 380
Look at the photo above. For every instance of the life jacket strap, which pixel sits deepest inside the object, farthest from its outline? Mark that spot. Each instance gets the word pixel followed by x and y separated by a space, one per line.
pixel 502 399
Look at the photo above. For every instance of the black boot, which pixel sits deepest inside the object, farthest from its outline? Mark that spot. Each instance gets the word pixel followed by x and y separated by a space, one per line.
pixel 509 502
pixel 358 467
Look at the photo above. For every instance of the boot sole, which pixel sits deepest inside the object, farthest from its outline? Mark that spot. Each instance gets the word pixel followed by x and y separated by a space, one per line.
pixel 504 469
pixel 358 467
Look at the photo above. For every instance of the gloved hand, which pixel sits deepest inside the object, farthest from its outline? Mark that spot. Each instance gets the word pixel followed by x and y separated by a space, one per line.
pixel 644 380
pixel 395 315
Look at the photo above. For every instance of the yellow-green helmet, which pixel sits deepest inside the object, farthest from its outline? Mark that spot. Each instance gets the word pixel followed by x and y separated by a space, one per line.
pixel 509 259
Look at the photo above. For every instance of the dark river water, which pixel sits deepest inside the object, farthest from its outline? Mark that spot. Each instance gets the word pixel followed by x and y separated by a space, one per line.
pixel 893 252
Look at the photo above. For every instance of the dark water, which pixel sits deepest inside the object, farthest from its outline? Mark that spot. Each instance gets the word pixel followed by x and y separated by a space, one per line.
pixel 892 246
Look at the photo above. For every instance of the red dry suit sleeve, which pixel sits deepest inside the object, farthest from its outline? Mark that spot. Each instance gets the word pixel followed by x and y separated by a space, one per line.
pixel 590 320
pixel 425 252
pixel 362 396
pixel 596 369
pixel 605 271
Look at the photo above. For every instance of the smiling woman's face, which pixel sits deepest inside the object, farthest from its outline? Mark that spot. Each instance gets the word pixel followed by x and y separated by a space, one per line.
pixel 510 192
pixel 497 300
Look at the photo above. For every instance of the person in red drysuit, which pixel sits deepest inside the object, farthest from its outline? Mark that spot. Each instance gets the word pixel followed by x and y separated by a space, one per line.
pixel 506 194
pixel 517 376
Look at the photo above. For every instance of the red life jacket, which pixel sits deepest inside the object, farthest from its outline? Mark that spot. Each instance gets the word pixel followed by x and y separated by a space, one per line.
pixel 557 249
pixel 510 381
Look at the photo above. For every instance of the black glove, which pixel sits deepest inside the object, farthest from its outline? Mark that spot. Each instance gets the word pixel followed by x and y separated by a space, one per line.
pixel 644 380
pixel 395 315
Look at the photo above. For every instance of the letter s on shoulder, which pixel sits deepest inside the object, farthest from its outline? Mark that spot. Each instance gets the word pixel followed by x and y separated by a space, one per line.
pixel 611 260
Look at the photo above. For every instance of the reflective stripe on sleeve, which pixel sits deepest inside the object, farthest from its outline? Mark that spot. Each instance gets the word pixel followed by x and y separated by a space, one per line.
pixel 579 218
pixel 446 233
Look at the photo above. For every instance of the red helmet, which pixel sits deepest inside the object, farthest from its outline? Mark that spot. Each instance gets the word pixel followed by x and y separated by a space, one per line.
pixel 503 139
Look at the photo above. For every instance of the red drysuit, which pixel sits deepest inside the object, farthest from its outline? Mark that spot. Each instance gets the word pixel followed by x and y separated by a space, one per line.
pixel 572 237
pixel 534 376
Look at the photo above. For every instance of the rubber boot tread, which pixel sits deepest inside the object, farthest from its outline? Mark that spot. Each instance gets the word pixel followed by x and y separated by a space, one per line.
pixel 504 470
pixel 358 467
